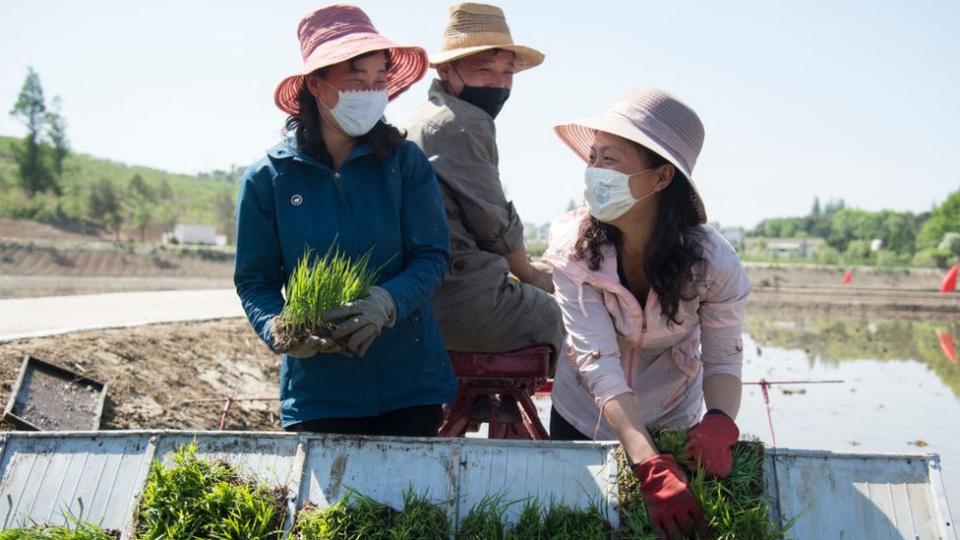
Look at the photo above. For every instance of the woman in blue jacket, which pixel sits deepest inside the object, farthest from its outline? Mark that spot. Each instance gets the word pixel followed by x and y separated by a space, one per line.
pixel 347 178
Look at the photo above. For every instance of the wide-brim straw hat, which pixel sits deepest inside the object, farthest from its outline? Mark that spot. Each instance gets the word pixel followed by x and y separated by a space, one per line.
pixel 474 28
pixel 339 32
pixel 653 119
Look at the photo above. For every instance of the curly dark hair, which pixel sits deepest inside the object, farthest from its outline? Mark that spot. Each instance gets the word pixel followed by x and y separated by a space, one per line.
pixel 384 138
pixel 676 245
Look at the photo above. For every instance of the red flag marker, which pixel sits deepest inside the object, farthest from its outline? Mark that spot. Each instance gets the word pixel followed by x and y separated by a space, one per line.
pixel 950 280
pixel 946 344
pixel 848 277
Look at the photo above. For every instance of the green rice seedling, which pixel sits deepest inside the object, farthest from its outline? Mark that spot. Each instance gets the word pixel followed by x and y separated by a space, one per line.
pixel 530 524
pixel 419 520
pixel 562 522
pixel 485 520
pixel 194 498
pixel 316 285
pixel 734 507
pixel 78 531
pixel 354 517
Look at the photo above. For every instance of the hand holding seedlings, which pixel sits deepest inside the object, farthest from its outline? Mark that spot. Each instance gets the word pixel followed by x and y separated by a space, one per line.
pixel 673 509
pixel 313 345
pixel 358 323
pixel 316 286
pixel 710 444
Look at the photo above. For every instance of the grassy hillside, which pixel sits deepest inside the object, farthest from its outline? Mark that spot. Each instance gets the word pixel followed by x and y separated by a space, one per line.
pixel 174 198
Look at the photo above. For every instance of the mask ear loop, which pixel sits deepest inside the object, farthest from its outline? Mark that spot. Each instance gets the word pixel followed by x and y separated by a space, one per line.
pixel 328 116
pixel 652 192
pixel 463 82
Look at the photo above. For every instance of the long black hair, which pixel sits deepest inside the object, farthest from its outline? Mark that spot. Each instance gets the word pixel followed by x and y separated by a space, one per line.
pixel 676 245
pixel 383 138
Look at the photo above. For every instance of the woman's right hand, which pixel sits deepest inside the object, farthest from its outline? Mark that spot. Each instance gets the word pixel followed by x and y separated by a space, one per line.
pixel 314 345
pixel 311 346
pixel 673 509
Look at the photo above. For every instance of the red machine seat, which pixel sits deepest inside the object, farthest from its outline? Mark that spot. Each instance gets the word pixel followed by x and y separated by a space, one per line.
pixel 497 388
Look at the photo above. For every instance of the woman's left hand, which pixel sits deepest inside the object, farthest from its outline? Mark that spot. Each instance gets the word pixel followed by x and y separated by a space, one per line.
pixel 358 323
pixel 710 444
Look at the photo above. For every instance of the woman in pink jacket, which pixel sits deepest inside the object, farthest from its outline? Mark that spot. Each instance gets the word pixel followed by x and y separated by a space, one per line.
pixel 652 299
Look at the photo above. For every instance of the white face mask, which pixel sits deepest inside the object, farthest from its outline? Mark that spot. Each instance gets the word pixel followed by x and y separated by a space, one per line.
pixel 358 111
pixel 608 193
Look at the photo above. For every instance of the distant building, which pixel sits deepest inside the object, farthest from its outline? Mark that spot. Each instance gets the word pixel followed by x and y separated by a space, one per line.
pixel 734 235
pixel 951 242
pixel 536 233
pixel 545 232
pixel 187 233
pixel 784 247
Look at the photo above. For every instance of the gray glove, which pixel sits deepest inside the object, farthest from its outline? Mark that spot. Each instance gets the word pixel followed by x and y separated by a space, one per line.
pixel 360 322
pixel 311 346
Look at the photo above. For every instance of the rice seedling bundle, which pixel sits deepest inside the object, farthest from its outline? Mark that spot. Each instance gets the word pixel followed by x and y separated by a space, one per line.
pixel 735 507
pixel 194 498
pixel 561 522
pixel 79 531
pixel 316 285
pixel 357 516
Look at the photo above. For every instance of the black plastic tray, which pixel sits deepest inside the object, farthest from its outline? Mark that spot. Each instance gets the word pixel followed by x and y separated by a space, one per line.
pixel 48 397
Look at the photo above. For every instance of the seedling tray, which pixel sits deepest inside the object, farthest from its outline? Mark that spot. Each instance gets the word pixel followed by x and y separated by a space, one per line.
pixel 50 398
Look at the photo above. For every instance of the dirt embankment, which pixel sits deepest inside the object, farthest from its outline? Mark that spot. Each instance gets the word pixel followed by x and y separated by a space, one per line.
pixel 151 370
pixel 66 262
pixel 902 292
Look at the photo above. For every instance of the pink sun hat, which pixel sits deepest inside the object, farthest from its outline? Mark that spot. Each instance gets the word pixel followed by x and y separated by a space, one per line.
pixel 339 32
pixel 652 118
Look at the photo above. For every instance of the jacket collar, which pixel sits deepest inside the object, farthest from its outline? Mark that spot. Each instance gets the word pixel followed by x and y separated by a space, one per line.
pixel 439 96
pixel 287 149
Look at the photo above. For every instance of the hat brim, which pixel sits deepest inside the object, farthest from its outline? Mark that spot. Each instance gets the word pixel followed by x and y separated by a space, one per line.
pixel 524 57
pixel 409 65
pixel 579 137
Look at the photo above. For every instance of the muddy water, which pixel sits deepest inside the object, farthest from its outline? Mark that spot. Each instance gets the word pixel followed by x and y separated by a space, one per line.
pixel 901 389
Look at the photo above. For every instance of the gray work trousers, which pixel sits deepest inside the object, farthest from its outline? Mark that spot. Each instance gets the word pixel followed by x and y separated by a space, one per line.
pixel 510 316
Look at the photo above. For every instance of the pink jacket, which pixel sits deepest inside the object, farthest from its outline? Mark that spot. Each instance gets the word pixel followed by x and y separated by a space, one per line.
pixel 616 346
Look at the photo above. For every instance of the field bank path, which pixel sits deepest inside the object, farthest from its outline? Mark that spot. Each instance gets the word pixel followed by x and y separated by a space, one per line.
pixel 29 317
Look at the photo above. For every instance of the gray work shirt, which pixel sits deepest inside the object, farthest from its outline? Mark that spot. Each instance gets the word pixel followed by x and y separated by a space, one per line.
pixel 459 139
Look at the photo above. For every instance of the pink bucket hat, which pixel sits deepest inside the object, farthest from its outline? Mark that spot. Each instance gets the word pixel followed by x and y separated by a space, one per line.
pixel 339 32
pixel 653 119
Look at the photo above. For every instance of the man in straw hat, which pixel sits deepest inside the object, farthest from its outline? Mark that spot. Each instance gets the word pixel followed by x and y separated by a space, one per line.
pixel 480 307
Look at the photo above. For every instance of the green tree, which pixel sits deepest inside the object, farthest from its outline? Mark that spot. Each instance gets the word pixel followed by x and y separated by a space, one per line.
pixel 226 209
pixel 105 203
pixel 944 219
pixel 31 110
pixel 165 192
pixel 57 133
pixel 141 202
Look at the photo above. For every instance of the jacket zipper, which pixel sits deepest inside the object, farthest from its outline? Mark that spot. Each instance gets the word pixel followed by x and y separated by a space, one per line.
pixel 338 181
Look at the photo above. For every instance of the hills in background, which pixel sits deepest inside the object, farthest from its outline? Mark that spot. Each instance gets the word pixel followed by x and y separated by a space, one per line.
pixel 145 207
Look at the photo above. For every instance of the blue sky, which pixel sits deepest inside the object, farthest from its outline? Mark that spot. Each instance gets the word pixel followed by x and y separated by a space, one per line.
pixel 852 100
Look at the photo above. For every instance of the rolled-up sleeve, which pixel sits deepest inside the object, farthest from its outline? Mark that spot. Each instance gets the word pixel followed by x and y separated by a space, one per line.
pixel 468 166
pixel 258 270
pixel 426 238
pixel 722 311
pixel 591 340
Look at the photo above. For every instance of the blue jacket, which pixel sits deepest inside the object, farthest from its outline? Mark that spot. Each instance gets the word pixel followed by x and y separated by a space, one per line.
pixel 289 201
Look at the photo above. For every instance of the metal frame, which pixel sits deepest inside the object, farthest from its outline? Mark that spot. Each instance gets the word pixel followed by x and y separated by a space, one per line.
pixel 40 471
pixel 40 364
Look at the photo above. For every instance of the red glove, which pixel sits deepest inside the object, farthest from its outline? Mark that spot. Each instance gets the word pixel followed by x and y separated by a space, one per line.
pixel 674 511
pixel 710 444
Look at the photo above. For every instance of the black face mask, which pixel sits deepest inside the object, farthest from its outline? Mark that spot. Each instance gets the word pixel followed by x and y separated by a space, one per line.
pixel 488 98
